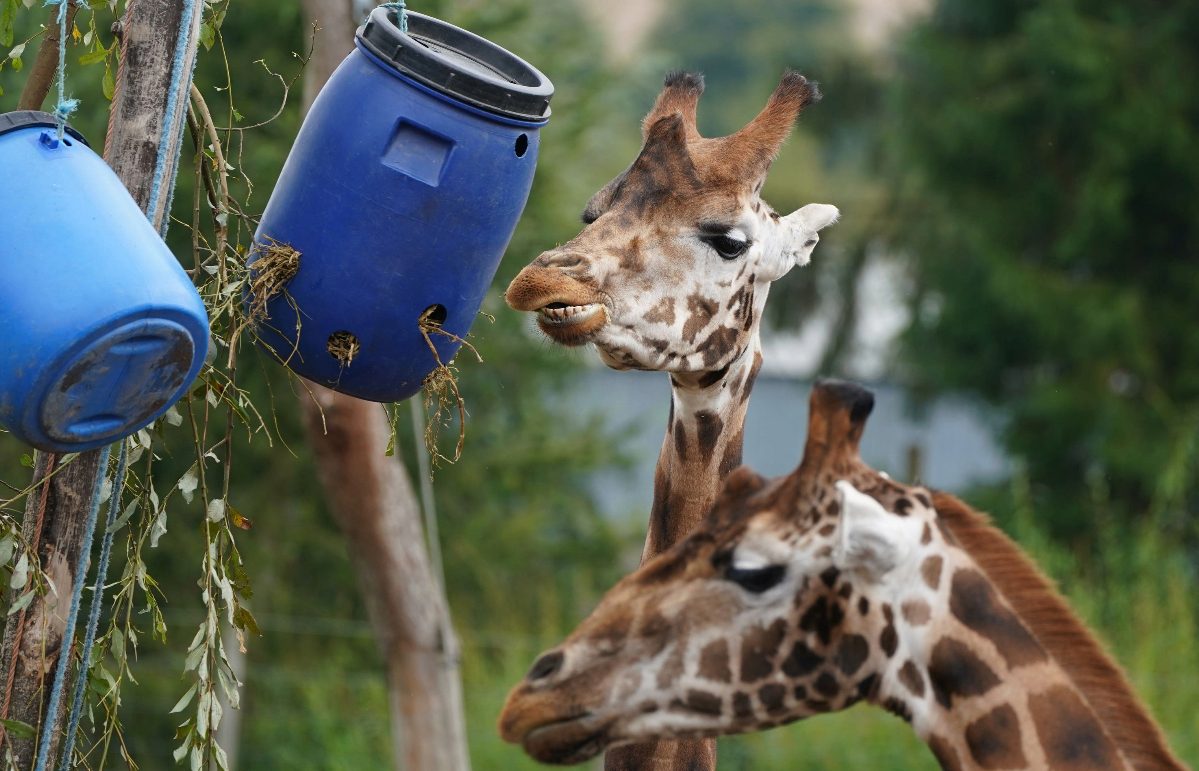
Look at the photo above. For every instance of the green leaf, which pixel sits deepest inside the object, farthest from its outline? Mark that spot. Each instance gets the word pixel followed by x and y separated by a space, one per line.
pixel 26 461
pixel 125 517
pixel 207 36
pixel 108 86
pixel 94 57
pixel 7 545
pixel 8 13
pixel 187 698
pixel 237 116
pixel 20 572
pixel 18 730
pixel 22 602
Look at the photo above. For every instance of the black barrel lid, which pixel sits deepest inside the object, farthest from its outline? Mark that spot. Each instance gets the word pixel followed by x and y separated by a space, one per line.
pixel 459 64
pixel 22 119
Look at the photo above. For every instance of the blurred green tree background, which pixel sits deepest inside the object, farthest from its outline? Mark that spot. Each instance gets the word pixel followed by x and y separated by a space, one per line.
pixel 1032 164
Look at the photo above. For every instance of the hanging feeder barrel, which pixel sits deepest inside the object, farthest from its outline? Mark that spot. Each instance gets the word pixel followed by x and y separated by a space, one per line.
pixel 101 330
pixel 400 195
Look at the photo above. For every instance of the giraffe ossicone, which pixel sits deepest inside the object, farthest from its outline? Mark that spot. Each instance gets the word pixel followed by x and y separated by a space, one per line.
pixel 811 592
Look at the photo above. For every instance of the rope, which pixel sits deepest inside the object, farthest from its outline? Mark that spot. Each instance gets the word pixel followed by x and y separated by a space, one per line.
pixel 172 122
pixel 68 635
pixel 37 536
pixel 89 637
pixel 65 106
pixel 401 14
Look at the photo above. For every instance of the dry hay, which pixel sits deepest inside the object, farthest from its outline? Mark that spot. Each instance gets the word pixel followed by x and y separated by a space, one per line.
pixel 441 388
pixel 343 346
pixel 276 265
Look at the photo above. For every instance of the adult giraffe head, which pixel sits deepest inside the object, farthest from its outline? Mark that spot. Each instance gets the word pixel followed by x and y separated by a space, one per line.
pixel 809 593
pixel 672 270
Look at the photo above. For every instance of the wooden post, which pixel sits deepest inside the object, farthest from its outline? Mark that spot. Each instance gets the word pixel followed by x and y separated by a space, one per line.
pixel 152 34
pixel 374 503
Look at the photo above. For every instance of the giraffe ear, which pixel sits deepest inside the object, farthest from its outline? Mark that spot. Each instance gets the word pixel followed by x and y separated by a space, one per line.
pixel 871 539
pixel 796 236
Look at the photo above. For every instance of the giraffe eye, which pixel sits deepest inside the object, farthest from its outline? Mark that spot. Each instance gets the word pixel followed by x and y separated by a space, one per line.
pixel 757 579
pixel 728 248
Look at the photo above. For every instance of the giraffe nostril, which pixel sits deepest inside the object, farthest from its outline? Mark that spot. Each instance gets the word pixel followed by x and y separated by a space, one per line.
pixel 545 666
pixel 561 260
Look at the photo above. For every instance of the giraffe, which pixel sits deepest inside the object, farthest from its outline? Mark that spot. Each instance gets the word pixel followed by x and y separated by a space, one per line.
pixel 833 585
pixel 671 273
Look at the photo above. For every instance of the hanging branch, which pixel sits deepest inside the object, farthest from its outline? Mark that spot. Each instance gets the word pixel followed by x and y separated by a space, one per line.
pixel 41 73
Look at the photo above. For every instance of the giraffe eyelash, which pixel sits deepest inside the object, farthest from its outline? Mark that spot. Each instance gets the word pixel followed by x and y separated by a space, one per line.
pixel 727 247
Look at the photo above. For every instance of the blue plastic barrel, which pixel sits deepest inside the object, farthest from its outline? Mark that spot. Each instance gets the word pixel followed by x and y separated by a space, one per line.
pixel 101 331
pixel 400 193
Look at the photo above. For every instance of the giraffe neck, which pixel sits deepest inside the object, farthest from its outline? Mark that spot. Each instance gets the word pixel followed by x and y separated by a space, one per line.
pixel 703 444
pixel 978 687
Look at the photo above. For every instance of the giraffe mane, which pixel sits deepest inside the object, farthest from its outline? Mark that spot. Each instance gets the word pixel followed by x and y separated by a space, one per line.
pixel 1048 616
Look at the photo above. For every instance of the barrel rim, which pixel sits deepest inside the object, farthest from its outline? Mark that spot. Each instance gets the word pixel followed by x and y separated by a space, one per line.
pixel 23 119
pixel 500 83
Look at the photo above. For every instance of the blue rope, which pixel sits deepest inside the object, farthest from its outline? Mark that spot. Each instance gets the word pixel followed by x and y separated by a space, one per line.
pixel 68 635
pixel 401 14
pixel 172 123
pixel 93 621
pixel 65 106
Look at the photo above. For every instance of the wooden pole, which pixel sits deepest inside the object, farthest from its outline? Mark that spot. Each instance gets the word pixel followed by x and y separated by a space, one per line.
pixel 374 503
pixel 154 55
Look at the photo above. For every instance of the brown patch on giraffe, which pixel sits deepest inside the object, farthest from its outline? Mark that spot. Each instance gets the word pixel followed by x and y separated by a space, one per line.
pixel 752 377
pixel 680 440
pixel 771 695
pixel 903 507
pixel 927 536
pixel 700 311
pixel 714 662
pixel 955 670
pixel 1063 636
pixel 930 570
pixel 863 605
pixel 943 751
pixel 613 631
pixel 801 661
pixel 708 426
pixel 742 706
pixel 924 501
pixel 826 685
pixel 1072 738
pixel 888 639
pixel 916 612
pixel 708 379
pixel 828 530
pixel 632 260
pixel 994 740
pixel 973 601
pixel 704 702
pixel 758 649
pixel 909 675
pixel 718 345
pixel 830 575
pixel 819 618
pixel 732 454
pixel 852 652
pixel 662 313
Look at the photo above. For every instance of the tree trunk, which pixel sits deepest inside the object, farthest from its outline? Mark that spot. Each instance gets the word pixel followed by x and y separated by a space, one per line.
pixel 138 151
pixel 374 503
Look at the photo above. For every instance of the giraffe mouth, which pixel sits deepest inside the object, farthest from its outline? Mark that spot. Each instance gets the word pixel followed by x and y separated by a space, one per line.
pixel 571 324
pixel 566 742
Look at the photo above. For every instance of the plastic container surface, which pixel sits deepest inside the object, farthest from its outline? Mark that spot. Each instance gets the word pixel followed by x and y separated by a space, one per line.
pixel 401 193
pixel 100 328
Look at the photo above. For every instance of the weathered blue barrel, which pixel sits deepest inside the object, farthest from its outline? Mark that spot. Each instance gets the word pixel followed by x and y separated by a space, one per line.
pixel 101 331
pixel 401 193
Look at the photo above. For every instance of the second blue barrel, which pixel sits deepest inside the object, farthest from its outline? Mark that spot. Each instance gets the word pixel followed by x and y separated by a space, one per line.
pixel 400 195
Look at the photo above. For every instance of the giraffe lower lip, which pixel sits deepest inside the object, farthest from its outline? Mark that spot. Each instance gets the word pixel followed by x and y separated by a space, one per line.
pixel 565 741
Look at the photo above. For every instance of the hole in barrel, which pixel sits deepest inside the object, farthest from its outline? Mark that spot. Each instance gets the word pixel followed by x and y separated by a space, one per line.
pixel 433 316
pixel 343 346
pixel 522 145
